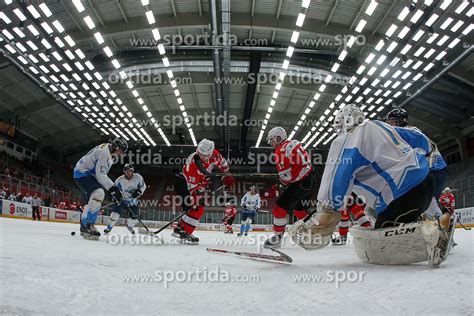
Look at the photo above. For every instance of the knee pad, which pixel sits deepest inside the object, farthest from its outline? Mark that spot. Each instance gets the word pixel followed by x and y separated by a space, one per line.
pixel 248 221
pixel 97 195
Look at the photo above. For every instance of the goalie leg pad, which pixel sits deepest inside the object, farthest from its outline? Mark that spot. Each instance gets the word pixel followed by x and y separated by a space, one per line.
pixel 403 244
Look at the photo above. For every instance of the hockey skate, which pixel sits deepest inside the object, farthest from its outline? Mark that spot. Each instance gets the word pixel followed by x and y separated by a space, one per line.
pixel 91 232
pixel 273 242
pixel 240 234
pixel 184 237
pixel 339 241
pixel 446 225
pixel 107 230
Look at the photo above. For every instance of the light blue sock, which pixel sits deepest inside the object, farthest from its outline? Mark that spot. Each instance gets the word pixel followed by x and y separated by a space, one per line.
pixel 247 228
pixel 242 228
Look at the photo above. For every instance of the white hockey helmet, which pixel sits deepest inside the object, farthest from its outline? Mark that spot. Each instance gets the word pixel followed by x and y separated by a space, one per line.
pixel 227 204
pixel 349 117
pixel 447 189
pixel 205 147
pixel 276 132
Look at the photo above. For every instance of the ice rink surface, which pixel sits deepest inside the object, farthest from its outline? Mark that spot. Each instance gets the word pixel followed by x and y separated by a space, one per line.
pixel 45 270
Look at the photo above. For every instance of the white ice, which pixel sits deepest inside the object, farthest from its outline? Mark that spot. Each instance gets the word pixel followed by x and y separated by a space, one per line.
pixel 45 270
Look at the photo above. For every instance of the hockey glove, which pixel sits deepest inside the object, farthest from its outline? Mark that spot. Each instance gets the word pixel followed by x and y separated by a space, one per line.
pixel 116 194
pixel 136 194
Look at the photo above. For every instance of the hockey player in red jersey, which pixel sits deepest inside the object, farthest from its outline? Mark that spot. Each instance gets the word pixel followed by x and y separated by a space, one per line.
pixel 294 168
pixel 447 201
pixel 195 176
pixel 229 216
pixel 356 207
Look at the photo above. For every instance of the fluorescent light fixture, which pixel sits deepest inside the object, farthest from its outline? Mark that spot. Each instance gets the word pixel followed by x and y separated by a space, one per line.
pixel 107 51
pixel 381 59
pixel 33 11
pixel 457 26
pixel 80 53
pixel 19 14
pixel 99 38
pixel 300 20
pixel 446 23
pixel 428 67
pixel 322 88
pixel 372 71
pixel 417 65
pixel 360 69
pixel 8 34
pixel 89 65
pixel 462 6
pixel 32 45
pixel 351 41
pixel 33 30
pixel 369 58
pixel 161 49
pixel 403 14
pixel 150 17
pixel 418 76
pixel 145 2
pixel 166 62
pixel 384 72
pixel 294 36
pixel 398 73
pixel 45 9
pixel 405 49
pixel 278 86
pixel 286 63
pixel 156 34
pixel 116 63
pixel 445 4
pixel 47 28
pixel 468 29
pixel 418 35
pixel 379 45
pixel 169 72
pixel 70 41
pixel 5 18
pixel 58 26
pixel 441 55
pixel 429 53
pixel 335 67
pixel 21 47
pixel 391 30
pixel 360 26
pixel 342 55
pixel 454 43
pixel 403 32
pixel 328 78
pixel 432 19
pixel 394 61
pixel 392 46
pixel 89 22
pixel 363 81
pixel 443 40
pixel 416 16
pixel 371 8
pixel 432 38
pixel 419 51
pixel 78 5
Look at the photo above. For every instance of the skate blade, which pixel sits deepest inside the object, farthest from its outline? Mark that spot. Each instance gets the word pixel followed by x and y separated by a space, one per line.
pixel 90 237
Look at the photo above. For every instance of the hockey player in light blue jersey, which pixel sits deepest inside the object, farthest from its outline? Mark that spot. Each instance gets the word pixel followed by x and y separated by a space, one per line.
pixel 250 203
pixel 90 175
pixel 132 186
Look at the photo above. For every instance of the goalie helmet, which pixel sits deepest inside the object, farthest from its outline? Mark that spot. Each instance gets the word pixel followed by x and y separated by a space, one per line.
pixel 276 132
pixel 205 147
pixel 347 118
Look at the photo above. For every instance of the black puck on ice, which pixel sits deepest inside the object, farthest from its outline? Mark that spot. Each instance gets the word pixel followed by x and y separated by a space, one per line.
pixel 73 233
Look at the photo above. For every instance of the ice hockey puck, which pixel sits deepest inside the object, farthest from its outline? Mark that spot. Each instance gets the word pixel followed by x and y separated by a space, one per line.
pixel 73 233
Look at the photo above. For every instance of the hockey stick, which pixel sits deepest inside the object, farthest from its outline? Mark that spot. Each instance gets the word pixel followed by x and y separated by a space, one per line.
pixel 462 225
pixel 280 258
pixel 177 217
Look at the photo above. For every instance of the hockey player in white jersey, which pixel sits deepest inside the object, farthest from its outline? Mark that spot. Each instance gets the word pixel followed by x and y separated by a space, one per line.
pixel 90 175
pixel 371 159
pixel 132 186
pixel 250 203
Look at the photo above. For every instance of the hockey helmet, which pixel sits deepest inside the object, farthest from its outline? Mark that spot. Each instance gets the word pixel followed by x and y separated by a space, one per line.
pixel 205 147
pixel 276 132
pixel 397 117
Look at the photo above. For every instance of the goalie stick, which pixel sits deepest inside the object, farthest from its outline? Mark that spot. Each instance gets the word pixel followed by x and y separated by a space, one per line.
pixel 280 258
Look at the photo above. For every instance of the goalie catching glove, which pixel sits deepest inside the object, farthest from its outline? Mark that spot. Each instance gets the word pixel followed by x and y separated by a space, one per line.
pixel 315 231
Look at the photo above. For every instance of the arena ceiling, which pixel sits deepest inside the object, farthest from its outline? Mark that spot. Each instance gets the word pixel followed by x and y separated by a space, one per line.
pixel 415 54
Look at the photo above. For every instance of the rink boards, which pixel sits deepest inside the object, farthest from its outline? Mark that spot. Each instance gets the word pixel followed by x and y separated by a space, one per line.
pixel 22 210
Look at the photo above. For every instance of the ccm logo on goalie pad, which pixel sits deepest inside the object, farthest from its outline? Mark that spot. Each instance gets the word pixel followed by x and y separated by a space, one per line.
pixel 401 231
